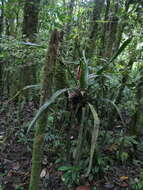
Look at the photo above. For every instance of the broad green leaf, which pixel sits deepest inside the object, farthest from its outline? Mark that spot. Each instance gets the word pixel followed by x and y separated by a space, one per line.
pixel 94 136
pixel 64 168
pixel 46 105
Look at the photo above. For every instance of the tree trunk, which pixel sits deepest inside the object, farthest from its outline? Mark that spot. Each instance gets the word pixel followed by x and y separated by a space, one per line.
pixel 29 30
pixel 139 113
pixel 1 31
pixel 104 34
pixel 30 21
pixel 70 12
pixel 98 5
pixel 46 92
pixel 1 17
pixel 94 27
pixel 112 32
pixel 121 26
pixel 1 77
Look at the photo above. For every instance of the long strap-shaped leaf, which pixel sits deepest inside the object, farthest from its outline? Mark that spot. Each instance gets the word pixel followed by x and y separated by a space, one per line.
pixel 123 46
pixel 117 109
pixel 120 50
pixel 37 86
pixel 94 136
pixel 46 105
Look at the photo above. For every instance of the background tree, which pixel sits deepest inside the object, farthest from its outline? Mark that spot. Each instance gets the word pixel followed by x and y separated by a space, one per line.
pixel 29 30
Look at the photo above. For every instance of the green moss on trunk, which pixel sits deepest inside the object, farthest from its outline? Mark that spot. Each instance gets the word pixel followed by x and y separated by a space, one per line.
pixel 46 92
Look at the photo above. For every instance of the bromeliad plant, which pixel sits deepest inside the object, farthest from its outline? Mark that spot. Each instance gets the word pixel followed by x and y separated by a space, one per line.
pixel 79 100
pixel 81 104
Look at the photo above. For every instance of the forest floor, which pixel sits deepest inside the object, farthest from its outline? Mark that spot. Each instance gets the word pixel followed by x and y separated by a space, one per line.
pixel 16 152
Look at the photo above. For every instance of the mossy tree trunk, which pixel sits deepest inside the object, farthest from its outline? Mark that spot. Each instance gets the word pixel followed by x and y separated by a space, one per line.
pixel 70 12
pixel 1 31
pixel 46 92
pixel 105 25
pixel 1 77
pixel 138 128
pixel 1 17
pixel 94 27
pixel 29 31
pixel 30 21
pixel 122 25
pixel 112 29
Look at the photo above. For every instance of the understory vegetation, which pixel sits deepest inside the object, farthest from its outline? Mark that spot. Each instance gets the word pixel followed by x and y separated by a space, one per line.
pixel 71 94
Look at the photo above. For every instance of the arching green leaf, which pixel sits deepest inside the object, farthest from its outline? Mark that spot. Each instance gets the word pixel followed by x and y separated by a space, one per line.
pixel 117 109
pixel 120 50
pixel 46 105
pixel 94 136
pixel 36 86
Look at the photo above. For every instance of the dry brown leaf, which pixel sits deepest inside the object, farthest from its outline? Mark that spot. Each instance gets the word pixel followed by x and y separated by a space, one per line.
pixel 122 178
pixel 112 147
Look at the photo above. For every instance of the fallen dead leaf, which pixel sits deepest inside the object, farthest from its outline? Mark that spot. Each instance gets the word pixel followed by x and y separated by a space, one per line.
pixel 16 166
pixel 112 147
pixel 10 173
pixel 123 178
pixel 123 184
pixel 43 173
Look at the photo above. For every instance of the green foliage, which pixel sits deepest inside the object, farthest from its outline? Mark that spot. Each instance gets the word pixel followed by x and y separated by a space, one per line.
pixel 84 73
pixel 138 183
pixel 71 175
pixel 23 89
pixel 109 86
pixel 121 49
pixel 45 106
pixel 94 136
